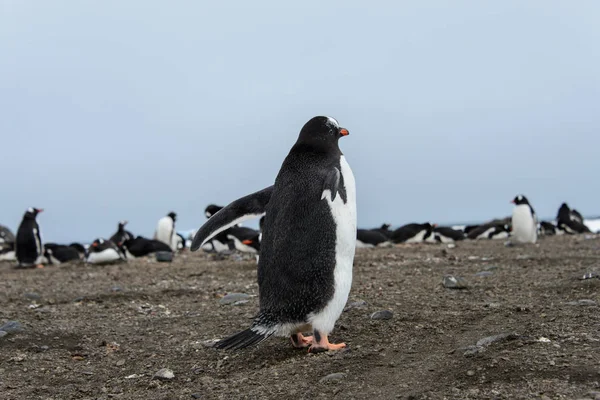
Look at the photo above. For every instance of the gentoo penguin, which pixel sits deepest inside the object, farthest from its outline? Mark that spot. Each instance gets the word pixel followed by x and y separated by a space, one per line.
pixel 570 222
pixel 367 238
pixel 140 247
pixel 57 253
pixel 7 251
pixel 384 230
pixel 524 221
pixel 211 210
pixel 239 235
pixel 412 233
pixel 121 235
pixel 308 243
pixel 6 236
pixel 547 228
pixel 165 230
pixel 80 249
pixel 29 248
pixel 444 234
pixel 496 229
pixel 103 252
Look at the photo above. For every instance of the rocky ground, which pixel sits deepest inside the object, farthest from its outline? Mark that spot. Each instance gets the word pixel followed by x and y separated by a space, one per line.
pixel 526 326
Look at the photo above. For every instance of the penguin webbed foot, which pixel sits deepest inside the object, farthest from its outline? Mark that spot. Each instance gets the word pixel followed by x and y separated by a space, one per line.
pixel 299 341
pixel 321 343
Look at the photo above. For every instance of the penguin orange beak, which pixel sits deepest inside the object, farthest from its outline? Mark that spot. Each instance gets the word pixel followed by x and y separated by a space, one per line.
pixel 39 210
pixel 247 241
pixel 344 132
pixel 512 202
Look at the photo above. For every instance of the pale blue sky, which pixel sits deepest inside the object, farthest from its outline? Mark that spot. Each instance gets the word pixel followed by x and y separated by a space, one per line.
pixel 126 110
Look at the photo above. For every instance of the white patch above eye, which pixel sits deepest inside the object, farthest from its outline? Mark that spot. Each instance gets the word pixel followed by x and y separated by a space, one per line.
pixel 333 121
pixel 30 209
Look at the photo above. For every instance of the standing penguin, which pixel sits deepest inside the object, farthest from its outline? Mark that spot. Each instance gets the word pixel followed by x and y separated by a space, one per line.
pixel 121 235
pixel 524 221
pixel 308 242
pixel 165 230
pixel 29 247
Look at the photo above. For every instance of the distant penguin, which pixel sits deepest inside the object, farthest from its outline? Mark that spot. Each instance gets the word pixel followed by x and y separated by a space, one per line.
pixel 412 233
pixel 7 252
pixel 29 248
pixel 447 235
pixel 6 236
pixel 103 252
pixel 140 247
pixel 178 242
pixel 384 229
pixel 57 254
pixel 524 221
pixel 570 222
pixel 368 238
pixel 121 235
pixel 165 230
pixel 547 228
pixel 80 249
pixel 211 210
pixel 240 234
pixel 308 243
pixel 496 229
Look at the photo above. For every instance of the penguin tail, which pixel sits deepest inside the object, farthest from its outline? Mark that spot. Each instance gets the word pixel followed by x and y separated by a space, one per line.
pixel 249 337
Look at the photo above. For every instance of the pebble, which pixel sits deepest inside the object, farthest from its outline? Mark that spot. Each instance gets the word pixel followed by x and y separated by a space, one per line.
pixel 12 327
pixel 120 363
pixel 470 373
pixel 484 273
pixel 356 304
pixel 451 245
pixel 336 377
pixel 164 374
pixel 486 341
pixel 454 282
pixel 232 298
pixel 3 333
pixel 382 315
pixel 196 396
pixel 490 267
pixel 32 296
pixel 590 275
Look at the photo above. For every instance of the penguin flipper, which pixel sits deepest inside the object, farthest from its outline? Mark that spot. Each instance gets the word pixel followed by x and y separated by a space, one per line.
pixel 248 207
pixel 242 339
pixel 332 183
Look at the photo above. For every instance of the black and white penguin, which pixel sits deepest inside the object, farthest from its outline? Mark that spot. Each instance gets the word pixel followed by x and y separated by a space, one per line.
pixel 412 233
pixel 444 234
pixel 211 210
pixel 384 229
pixel 140 247
pixel 104 252
pixel 367 238
pixel 80 249
pixel 524 221
pixel 6 236
pixel 29 248
pixel 570 222
pixel 547 228
pixel 241 234
pixel 122 234
pixel 308 243
pixel 58 253
pixel 496 229
pixel 165 230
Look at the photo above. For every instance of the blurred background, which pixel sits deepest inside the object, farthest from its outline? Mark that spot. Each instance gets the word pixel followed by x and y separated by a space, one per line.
pixel 127 110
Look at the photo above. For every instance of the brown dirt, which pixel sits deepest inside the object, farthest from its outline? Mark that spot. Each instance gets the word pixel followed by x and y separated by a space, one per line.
pixel 102 332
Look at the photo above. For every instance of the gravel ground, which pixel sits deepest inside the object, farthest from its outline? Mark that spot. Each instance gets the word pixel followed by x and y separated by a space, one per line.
pixel 526 326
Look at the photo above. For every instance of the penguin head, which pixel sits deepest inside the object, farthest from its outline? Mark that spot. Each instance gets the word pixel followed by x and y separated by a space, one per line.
pixel 322 132
pixel 386 227
pixel 172 215
pixel 122 225
pixel 519 200
pixel 211 210
pixel 32 212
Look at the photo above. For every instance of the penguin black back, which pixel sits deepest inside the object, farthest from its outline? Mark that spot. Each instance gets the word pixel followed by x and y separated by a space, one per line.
pixel 29 246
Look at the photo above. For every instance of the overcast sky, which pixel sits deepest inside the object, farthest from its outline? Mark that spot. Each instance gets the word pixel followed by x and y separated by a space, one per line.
pixel 127 110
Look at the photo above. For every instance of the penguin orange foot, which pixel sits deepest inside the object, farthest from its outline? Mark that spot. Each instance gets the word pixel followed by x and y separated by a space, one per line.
pixel 300 341
pixel 321 343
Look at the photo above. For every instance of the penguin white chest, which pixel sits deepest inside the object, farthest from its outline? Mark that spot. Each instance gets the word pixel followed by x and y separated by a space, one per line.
pixel 524 226
pixel 344 217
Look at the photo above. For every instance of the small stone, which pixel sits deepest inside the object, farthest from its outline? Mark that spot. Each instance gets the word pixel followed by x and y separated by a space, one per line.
pixel 336 377
pixel 32 296
pixel 590 275
pixel 483 274
pixel 486 341
pixel 452 282
pixel 3 333
pixel 241 302
pixel 196 396
pixel 12 327
pixel 44 348
pixel 120 363
pixel 470 373
pixel 382 315
pixel 490 267
pixel 132 376
pixel 451 245
pixel 232 298
pixel 116 289
pixel 472 351
pixel 164 374
pixel 356 304
pixel 583 302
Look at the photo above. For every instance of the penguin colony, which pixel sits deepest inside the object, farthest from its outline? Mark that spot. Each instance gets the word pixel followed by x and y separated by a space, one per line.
pixel 305 246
